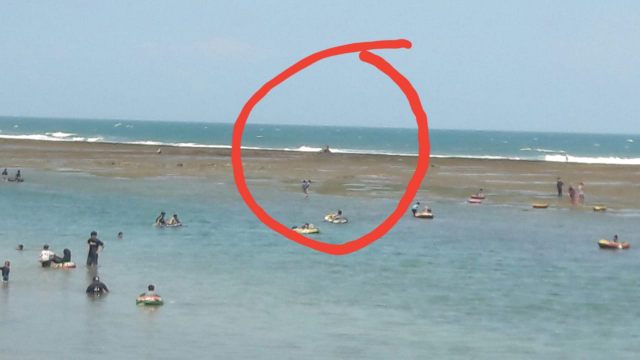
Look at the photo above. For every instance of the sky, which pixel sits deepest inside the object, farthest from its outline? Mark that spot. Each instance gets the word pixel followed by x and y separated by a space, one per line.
pixel 569 66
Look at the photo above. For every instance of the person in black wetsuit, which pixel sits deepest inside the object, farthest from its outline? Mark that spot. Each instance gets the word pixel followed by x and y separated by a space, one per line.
pixel 160 220
pixel 559 185
pixel 64 259
pixel 93 245
pixel 97 288
pixel 5 271
pixel 151 291
pixel 5 175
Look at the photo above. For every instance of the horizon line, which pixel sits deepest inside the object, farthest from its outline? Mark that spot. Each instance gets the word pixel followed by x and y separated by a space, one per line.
pixel 311 125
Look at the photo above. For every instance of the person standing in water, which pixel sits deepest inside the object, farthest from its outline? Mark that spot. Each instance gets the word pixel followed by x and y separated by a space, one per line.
pixel 120 235
pixel 5 175
pixel 559 185
pixel 95 246
pixel 46 256
pixel 5 271
pixel 572 194
pixel 97 288
pixel 414 208
pixel 581 193
pixel 305 187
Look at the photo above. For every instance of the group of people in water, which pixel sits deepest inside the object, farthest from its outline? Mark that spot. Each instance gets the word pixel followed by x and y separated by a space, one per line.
pixel 573 192
pixel 16 178
pixel 174 221
pixel 47 258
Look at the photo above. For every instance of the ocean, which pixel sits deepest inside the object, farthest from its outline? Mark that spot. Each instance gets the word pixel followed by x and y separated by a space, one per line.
pixel 556 147
pixel 496 281
pixel 469 284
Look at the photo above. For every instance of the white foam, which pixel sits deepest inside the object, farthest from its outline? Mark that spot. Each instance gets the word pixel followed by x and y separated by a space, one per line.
pixel 592 160
pixel 550 151
pixel 118 124
pixel 59 134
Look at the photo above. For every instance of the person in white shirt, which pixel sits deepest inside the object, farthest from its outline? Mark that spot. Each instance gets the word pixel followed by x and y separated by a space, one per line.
pixel 46 256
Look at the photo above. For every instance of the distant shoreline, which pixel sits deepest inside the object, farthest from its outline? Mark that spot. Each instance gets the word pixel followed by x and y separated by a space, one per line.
pixel 505 181
pixel 624 162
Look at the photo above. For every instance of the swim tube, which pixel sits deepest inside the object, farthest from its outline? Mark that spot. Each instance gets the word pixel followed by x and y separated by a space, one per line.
pixel 149 300
pixel 540 206
pixel 475 201
pixel 475 196
pixel 64 265
pixel 307 231
pixel 423 215
pixel 331 218
pixel 607 244
pixel 599 208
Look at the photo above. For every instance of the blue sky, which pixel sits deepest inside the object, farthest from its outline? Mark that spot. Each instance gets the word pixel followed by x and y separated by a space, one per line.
pixel 509 65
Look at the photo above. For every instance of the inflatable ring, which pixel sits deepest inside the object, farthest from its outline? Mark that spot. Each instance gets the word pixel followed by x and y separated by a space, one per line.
pixel 149 300
pixel 475 201
pixel 599 208
pixel 423 215
pixel 64 265
pixel 307 231
pixel 607 244
pixel 331 218
pixel 479 197
pixel 540 206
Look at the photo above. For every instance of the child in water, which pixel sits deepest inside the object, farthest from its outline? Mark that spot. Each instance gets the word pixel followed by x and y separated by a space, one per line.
pixel 5 271
pixel 174 221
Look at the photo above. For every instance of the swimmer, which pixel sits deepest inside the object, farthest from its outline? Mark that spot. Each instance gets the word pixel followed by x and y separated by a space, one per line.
pixel 615 239
pixel 5 271
pixel 160 220
pixel 174 221
pixel 5 175
pixel 92 246
pixel 151 291
pixel 45 256
pixel 20 247
pixel 338 216
pixel 414 208
pixel 64 259
pixel 120 235
pixel 97 288
pixel 427 209
pixel 18 176
pixel 479 193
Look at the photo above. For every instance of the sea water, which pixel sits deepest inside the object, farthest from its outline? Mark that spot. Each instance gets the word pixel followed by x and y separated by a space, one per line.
pixel 554 147
pixel 478 281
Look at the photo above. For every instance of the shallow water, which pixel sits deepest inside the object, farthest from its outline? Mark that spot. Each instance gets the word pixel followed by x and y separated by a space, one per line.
pixel 481 282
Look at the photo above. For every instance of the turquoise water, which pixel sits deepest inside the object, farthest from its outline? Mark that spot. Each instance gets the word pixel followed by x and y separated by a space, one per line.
pixel 480 282
pixel 556 147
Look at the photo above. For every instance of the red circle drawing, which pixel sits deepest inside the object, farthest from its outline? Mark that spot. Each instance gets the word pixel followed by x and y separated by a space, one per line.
pixel 423 141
